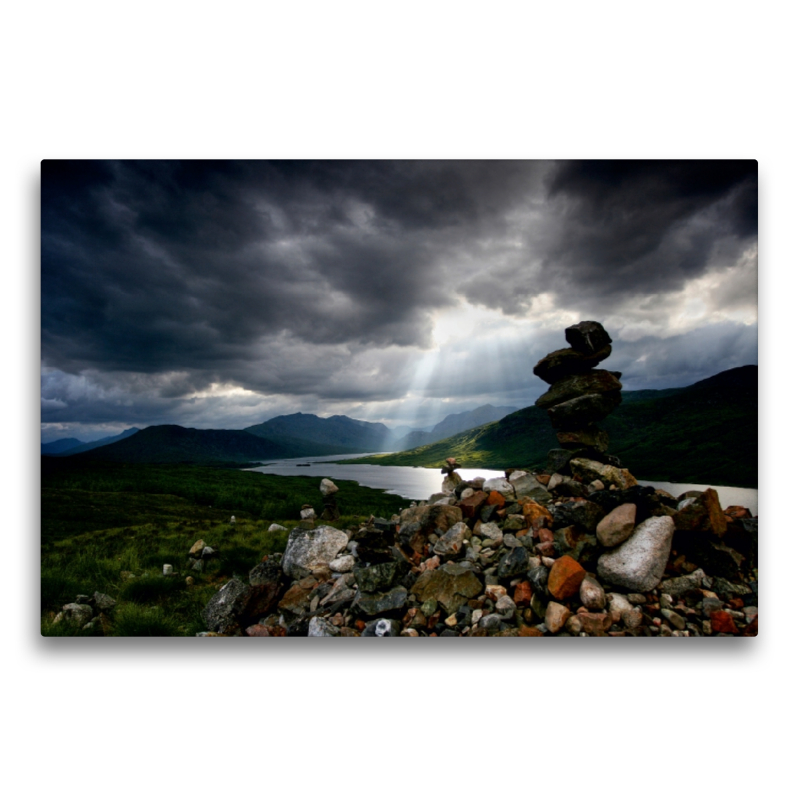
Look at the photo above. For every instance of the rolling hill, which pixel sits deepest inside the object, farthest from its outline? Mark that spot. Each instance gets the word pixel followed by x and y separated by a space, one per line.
pixel 703 433
pixel 172 444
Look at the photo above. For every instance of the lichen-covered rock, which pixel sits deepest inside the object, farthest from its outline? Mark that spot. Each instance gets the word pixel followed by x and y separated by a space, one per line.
pixel 307 550
pixel 588 470
pixel 640 561
pixel 220 611
pixel 450 586
pixel 417 524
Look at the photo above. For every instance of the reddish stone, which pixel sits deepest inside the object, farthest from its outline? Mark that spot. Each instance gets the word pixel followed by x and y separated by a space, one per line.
pixel 546 535
pixel 496 499
pixel 595 624
pixel 752 628
pixel 736 602
pixel 360 625
pixel 566 576
pixel 544 478
pixel 257 630
pixel 534 512
pixel 704 514
pixel 545 549
pixel 722 622
pixel 528 630
pixel 276 630
pixel 737 512
pixel 471 506
pixel 523 593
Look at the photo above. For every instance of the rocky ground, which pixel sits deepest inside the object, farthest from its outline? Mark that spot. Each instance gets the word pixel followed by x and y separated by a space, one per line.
pixel 586 553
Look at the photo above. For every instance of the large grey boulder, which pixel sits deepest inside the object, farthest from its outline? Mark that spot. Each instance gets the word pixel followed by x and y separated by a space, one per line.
pixel 220 614
pixel 308 550
pixel 639 562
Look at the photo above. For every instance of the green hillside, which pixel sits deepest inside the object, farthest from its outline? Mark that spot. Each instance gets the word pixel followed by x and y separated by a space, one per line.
pixel 172 444
pixel 704 433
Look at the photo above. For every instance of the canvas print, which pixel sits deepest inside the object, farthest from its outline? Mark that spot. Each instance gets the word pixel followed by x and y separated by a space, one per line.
pixel 404 399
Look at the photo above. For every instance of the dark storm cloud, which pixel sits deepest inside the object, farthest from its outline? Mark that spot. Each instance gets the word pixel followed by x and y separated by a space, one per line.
pixel 647 226
pixel 167 284
pixel 149 266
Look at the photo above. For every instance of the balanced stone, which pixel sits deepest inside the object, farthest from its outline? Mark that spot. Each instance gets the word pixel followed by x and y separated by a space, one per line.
pixel 587 337
pixel 561 363
pixel 597 381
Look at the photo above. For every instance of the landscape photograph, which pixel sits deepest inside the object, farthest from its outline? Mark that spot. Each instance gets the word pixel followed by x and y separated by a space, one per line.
pixel 399 398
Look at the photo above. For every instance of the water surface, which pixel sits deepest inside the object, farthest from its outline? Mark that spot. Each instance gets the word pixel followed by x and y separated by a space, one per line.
pixel 419 483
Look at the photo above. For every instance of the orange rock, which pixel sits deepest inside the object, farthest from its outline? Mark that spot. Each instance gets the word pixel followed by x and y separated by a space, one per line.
pixel 496 499
pixel 360 625
pixel 595 624
pixel 523 593
pixel 534 512
pixel 566 576
pixel 722 622
pixel 751 629
pixel 527 630
pixel 546 535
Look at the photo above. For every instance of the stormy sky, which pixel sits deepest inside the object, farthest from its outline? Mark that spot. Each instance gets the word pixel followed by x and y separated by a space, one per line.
pixel 221 294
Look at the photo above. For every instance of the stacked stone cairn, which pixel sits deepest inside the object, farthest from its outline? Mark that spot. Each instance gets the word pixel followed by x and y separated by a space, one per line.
pixel 580 396
pixel 330 510
pixel 579 550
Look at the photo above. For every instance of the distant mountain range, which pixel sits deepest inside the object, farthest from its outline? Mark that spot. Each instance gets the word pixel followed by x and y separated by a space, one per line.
pixel 703 433
pixel 69 447
pixel 288 436
pixel 453 424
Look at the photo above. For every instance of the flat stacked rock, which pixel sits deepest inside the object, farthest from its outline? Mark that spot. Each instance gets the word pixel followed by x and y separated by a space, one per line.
pixel 580 396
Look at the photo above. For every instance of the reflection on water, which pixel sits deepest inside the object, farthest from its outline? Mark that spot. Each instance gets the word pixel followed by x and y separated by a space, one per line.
pixel 419 483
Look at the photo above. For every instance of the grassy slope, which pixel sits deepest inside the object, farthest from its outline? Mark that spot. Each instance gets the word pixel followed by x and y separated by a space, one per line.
pixel 99 520
pixel 705 433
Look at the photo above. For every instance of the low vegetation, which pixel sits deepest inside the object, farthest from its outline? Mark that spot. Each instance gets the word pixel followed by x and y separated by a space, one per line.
pixel 111 528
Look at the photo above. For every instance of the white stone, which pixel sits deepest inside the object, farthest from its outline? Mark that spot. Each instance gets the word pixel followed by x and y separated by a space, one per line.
pixel 468 492
pixel 275 528
pixel 308 550
pixel 321 627
pixel 618 604
pixel 500 485
pixel 639 562
pixel 327 487
pixel 342 564
pixel 308 513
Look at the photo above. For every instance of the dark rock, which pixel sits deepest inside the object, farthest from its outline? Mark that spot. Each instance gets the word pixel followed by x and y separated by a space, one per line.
pixel 562 363
pixel 219 614
pixel 380 577
pixel 583 513
pixel 598 381
pixel 587 337
pixel 584 410
pixel 417 524
pixel 381 602
pixel 513 563
pixel 538 579
pixel 558 461
pixel 590 436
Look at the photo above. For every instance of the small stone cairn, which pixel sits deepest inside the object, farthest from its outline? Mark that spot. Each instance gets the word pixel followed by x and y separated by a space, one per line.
pixel 580 396
pixel 330 510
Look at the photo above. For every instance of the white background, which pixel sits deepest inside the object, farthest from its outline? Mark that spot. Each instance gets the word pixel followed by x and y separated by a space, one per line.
pixel 478 718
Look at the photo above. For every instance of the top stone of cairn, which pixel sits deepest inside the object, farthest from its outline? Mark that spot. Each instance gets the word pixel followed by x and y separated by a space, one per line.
pixel 588 338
